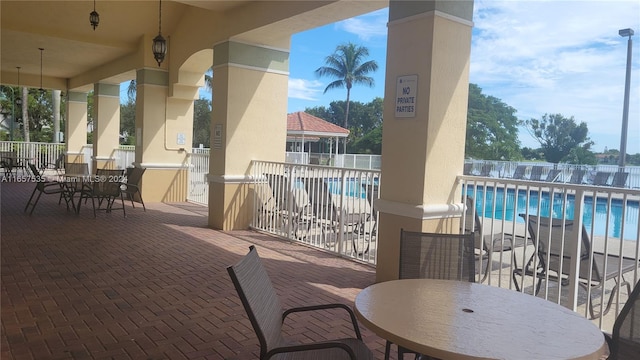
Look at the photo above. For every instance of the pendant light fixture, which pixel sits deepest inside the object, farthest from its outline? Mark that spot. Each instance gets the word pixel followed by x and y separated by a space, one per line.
pixel 18 100
pixel 41 50
pixel 159 43
pixel 94 17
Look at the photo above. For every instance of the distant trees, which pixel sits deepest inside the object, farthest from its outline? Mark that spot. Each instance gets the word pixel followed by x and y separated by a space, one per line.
pixel 366 122
pixel 562 139
pixel 492 128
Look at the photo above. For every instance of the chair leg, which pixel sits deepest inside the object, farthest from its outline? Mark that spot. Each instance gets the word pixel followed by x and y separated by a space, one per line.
pixel 387 350
pixel 33 207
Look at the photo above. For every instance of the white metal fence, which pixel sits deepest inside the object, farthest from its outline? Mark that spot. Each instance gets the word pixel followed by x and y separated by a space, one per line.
pixel 326 207
pixel 575 245
pixel 198 177
pixel 39 154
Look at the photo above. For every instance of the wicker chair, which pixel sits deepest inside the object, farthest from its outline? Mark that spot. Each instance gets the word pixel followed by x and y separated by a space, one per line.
pixel 624 343
pixel 434 256
pixel 267 316
pixel 552 255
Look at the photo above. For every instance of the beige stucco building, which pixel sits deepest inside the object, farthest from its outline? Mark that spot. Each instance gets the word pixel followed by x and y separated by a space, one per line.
pixel 247 44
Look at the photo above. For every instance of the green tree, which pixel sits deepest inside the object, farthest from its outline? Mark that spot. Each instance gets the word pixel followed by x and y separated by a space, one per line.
pixel 559 137
pixel 492 128
pixel 348 66
pixel 128 122
pixel 201 122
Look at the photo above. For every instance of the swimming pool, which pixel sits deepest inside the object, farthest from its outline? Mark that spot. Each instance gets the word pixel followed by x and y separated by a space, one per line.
pixel 558 205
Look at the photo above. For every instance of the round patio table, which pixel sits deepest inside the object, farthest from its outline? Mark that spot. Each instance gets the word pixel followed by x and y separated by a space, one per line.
pixel 461 320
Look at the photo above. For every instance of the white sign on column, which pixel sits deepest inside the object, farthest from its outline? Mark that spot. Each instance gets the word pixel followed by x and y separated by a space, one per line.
pixel 406 95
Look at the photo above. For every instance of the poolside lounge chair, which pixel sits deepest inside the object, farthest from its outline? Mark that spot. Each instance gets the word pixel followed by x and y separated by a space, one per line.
pixel 536 173
pixel 620 179
pixel 518 174
pixel 486 170
pixel 486 244
pixel 330 216
pixel 553 175
pixel 576 176
pixel 624 342
pixel 551 235
pixel 601 178
pixel 267 316
pixel 288 207
pixel 468 168
pixel 434 256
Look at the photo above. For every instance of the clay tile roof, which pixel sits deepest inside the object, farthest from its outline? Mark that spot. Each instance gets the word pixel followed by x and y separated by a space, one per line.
pixel 301 123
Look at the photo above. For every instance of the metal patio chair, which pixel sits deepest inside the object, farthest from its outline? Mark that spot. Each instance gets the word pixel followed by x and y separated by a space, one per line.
pixel 43 186
pixel 267 316
pixel 624 342
pixel 552 259
pixel 132 185
pixel 552 175
pixel 518 174
pixel 288 206
pixel 434 256
pixel 105 187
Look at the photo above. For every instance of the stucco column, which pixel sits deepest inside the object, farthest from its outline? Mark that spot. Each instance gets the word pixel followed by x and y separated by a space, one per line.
pixel 164 129
pixel 76 126
pixel 106 131
pixel 249 122
pixel 425 110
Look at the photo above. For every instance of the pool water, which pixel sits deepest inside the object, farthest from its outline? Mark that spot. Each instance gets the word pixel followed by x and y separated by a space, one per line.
pixel 559 205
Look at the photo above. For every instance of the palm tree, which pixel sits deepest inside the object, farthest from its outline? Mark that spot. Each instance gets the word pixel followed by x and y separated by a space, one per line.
pixel 347 67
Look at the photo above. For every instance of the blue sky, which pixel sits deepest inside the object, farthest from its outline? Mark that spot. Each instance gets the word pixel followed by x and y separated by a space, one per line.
pixel 537 56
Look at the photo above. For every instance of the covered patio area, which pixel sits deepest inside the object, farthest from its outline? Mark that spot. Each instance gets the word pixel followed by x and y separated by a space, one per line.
pixel 151 285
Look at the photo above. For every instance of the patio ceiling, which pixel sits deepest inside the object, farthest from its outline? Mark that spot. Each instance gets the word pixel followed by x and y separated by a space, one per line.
pixel 73 49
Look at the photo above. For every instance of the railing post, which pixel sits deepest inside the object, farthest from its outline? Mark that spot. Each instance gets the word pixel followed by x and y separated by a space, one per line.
pixel 575 249
pixel 341 220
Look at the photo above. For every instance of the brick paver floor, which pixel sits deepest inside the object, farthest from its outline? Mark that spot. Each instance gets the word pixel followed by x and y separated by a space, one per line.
pixel 152 285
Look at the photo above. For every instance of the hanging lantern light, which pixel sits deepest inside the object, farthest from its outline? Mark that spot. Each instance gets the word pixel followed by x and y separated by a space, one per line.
pixel 159 47
pixel 94 17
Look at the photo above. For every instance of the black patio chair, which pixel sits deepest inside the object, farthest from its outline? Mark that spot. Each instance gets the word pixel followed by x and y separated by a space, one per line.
pixel 132 185
pixel 624 342
pixel 43 186
pixel 434 256
pixel 554 260
pixel 267 316
pixel 105 186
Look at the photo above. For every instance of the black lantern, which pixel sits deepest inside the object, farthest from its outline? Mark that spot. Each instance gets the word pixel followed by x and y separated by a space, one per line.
pixel 159 43
pixel 94 17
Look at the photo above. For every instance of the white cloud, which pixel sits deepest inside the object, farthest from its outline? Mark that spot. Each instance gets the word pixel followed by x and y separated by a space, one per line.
pixel 366 27
pixel 305 89
pixel 560 57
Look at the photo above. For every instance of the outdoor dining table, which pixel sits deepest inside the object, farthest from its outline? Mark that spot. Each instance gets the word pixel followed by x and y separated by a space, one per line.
pixel 462 320
pixel 72 184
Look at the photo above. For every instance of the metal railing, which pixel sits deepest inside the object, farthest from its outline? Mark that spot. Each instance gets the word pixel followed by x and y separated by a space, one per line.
pixel 198 172
pixel 325 207
pixel 576 260
pixel 39 154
